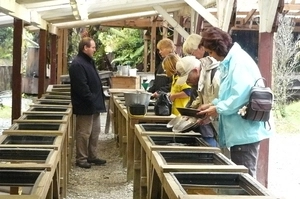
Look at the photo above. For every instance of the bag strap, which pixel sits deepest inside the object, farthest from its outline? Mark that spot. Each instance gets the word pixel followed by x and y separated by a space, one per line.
pixel 262 78
pixel 267 122
pixel 212 74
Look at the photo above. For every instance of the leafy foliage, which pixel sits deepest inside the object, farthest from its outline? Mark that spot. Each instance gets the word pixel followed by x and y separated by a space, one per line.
pixel 6 41
pixel 285 61
pixel 126 44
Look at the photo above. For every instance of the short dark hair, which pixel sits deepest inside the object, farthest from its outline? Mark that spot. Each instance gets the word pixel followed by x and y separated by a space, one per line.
pixel 216 40
pixel 86 41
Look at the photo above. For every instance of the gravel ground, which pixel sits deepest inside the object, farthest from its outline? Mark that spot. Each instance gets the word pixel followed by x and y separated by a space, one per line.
pixel 109 181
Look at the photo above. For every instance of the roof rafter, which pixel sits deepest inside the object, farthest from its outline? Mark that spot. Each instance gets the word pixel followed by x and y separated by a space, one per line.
pixel 171 21
pixel 203 12
pixel 16 10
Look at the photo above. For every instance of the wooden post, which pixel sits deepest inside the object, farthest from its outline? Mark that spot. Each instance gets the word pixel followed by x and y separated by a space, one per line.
pixel 16 69
pixel 53 63
pixel 146 39
pixel 153 46
pixel 199 25
pixel 265 50
pixel 42 62
pixel 59 56
pixel 165 29
pixel 65 52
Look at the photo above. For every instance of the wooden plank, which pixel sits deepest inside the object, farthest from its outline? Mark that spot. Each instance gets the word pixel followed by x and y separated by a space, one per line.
pixel 53 60
pixel 249 16
pixel 16 69
pixel 42 62
pixel 153 43
pixel 203 12
pixel 265 65
pixel 127 82
pixel 171 21
pixel 60 50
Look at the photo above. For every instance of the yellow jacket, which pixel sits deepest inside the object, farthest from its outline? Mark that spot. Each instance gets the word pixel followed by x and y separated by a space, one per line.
pixel 178 102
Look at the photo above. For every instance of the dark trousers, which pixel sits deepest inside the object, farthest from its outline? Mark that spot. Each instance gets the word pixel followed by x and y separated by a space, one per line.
pixel 247 155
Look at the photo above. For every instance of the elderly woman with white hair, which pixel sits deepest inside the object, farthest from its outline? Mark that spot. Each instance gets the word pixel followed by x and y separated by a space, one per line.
pixel 191 46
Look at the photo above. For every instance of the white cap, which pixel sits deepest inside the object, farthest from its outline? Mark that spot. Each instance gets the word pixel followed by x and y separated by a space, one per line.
pixel 184 66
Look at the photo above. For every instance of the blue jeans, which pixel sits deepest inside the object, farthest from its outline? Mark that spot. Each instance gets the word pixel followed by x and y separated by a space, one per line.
pixel 211 141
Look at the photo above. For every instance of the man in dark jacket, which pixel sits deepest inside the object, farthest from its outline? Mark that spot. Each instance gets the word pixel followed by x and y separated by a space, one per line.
pixel 87 102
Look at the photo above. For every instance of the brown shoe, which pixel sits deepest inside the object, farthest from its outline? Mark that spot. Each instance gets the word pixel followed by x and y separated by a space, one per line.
pixel 84 165
pixel 97 161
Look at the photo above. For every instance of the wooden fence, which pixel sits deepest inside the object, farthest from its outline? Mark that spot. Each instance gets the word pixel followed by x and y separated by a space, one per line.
pixel 5 77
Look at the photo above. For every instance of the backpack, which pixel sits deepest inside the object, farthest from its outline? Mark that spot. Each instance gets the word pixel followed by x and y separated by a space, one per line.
pixel 163 106
pixel 259 105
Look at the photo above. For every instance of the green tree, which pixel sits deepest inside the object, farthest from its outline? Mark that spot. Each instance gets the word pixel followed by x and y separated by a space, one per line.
pixel 6 41
pixel 285 61
pixel 127 45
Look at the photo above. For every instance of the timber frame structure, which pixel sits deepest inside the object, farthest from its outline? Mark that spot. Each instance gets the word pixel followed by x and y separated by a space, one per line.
pixel 53 18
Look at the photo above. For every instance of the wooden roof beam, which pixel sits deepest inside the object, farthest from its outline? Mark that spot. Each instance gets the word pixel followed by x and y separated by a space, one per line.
pixel 291 6
pixel 225 12
pixel 171 21
pixel 203 12
pixel 249 16
pixel 79 9
pixel 133 23
pixel 97 21
pixel 268 10
pixel 13 9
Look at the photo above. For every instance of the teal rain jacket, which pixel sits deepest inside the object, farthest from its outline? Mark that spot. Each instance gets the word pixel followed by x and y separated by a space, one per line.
pixel 238 73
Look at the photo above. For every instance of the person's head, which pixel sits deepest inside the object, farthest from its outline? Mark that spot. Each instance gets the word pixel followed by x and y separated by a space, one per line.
pixel 169 64
pixel 165 47
pixel 192 46
pixel 216 42
pixel 87 45
pixel 188 68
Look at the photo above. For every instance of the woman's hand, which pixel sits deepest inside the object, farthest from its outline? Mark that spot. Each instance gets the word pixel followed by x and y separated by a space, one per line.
pixel 208 109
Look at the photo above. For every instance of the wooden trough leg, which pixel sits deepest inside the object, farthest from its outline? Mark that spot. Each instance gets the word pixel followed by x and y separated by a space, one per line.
pixel 137 169
pixel 155 185
pixel 144 173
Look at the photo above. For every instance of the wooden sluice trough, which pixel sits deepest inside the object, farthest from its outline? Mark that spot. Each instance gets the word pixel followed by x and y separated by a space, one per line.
pixel 31 141
pixel 43 117
pixel 34 128
pixel 47 129
pixel 29 158
pixel 146 142
pixel 49 109
pixel 58 88
pixel 52 118
pixel 126 136
pixel 208 185
pixel 61 93
pixel 56 96
pixel 187 161
pixel 22 183
pixel 66 103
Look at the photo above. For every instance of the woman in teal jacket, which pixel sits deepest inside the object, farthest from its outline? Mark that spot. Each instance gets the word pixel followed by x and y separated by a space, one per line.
pixel 238 73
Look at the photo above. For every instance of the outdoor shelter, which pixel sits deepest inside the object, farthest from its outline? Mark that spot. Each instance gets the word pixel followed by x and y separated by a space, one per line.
pixel 53 18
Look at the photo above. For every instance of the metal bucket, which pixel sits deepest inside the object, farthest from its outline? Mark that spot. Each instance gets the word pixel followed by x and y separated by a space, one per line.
pixel 137 98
